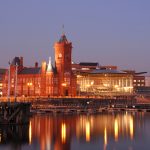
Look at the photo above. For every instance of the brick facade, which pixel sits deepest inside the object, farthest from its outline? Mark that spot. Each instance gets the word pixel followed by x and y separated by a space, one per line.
pixel 46 80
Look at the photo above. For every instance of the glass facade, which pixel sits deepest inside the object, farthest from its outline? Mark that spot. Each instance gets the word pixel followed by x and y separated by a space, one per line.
pixel 105 84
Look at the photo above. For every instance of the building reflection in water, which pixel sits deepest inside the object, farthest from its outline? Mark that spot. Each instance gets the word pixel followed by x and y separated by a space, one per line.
pixel 14 135
pixel 30 133
pixel 105 138
pixel 87 132
pixel 131 127
pixel 116 129
pixel 63 132
pixel 57 132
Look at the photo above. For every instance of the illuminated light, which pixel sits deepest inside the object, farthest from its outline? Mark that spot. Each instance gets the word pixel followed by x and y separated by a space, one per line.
pixel 105 138
pixel 30 133
pixel 29 84
pixel 87 128
pixel 92 82
pixel 63 132
pixel 116 86
pixel 116 130
pixel 105 84
pixel 85 69
pixel 87 85
pixel 1 84
pixel 78 76
pixel 131 127
pixel 64 84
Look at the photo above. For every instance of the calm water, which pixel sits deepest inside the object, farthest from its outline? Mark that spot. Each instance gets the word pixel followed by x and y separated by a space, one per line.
pixel 106 131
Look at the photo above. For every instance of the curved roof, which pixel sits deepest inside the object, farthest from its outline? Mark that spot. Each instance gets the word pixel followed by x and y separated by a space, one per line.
pixel 106 71
pixel 89 63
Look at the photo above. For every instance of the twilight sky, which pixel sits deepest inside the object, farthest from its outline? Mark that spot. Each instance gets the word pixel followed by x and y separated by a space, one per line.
pixel 111 32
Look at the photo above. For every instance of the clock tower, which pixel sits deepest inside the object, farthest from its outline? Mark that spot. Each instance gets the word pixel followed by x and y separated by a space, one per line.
pixel 63 59
pixel 63 50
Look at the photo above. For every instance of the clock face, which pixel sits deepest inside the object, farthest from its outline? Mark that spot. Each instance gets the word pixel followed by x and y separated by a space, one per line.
pixel 60 55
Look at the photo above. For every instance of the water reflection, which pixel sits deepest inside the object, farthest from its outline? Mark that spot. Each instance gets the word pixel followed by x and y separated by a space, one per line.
pixel 56 132
pixel 116 130
pixel 105 138
pixel 63 132
pixel 87 132
pixel 48 132
pixel 30 133
pixel 14 135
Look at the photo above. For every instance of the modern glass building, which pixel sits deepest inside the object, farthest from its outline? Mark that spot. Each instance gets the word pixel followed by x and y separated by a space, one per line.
pixel 104 82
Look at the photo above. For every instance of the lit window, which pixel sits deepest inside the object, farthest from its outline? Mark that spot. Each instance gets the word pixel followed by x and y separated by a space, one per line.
pixel 12 80
pixel 85 69
pixel 134 80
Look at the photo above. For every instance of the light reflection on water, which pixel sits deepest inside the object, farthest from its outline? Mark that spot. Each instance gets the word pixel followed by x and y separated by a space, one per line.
pixel 107 131
pixel 63 133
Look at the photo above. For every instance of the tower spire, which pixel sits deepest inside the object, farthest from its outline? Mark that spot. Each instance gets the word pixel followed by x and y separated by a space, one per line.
pixel 63 29
pixel 50 67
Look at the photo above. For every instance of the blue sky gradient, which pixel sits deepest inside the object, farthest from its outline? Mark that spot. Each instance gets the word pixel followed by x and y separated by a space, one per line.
pixel 111 32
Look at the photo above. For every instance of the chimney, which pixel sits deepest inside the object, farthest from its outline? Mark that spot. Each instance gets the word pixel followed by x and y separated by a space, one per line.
pixel 36 64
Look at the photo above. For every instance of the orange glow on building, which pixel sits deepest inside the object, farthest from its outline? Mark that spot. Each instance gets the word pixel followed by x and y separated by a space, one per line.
pixel 46 80
pixel 64 78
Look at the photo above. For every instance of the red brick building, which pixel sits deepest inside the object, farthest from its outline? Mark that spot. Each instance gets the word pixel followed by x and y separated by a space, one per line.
pixel 46 80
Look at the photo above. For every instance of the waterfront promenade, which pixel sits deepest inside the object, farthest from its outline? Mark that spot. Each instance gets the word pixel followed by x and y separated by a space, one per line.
pixel 83 103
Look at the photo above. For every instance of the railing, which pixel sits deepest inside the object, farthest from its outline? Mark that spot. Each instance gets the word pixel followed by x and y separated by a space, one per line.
pixel 34 98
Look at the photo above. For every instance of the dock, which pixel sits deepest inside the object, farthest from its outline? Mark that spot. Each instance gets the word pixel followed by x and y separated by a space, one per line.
pixel 14 113
pixel 80 105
